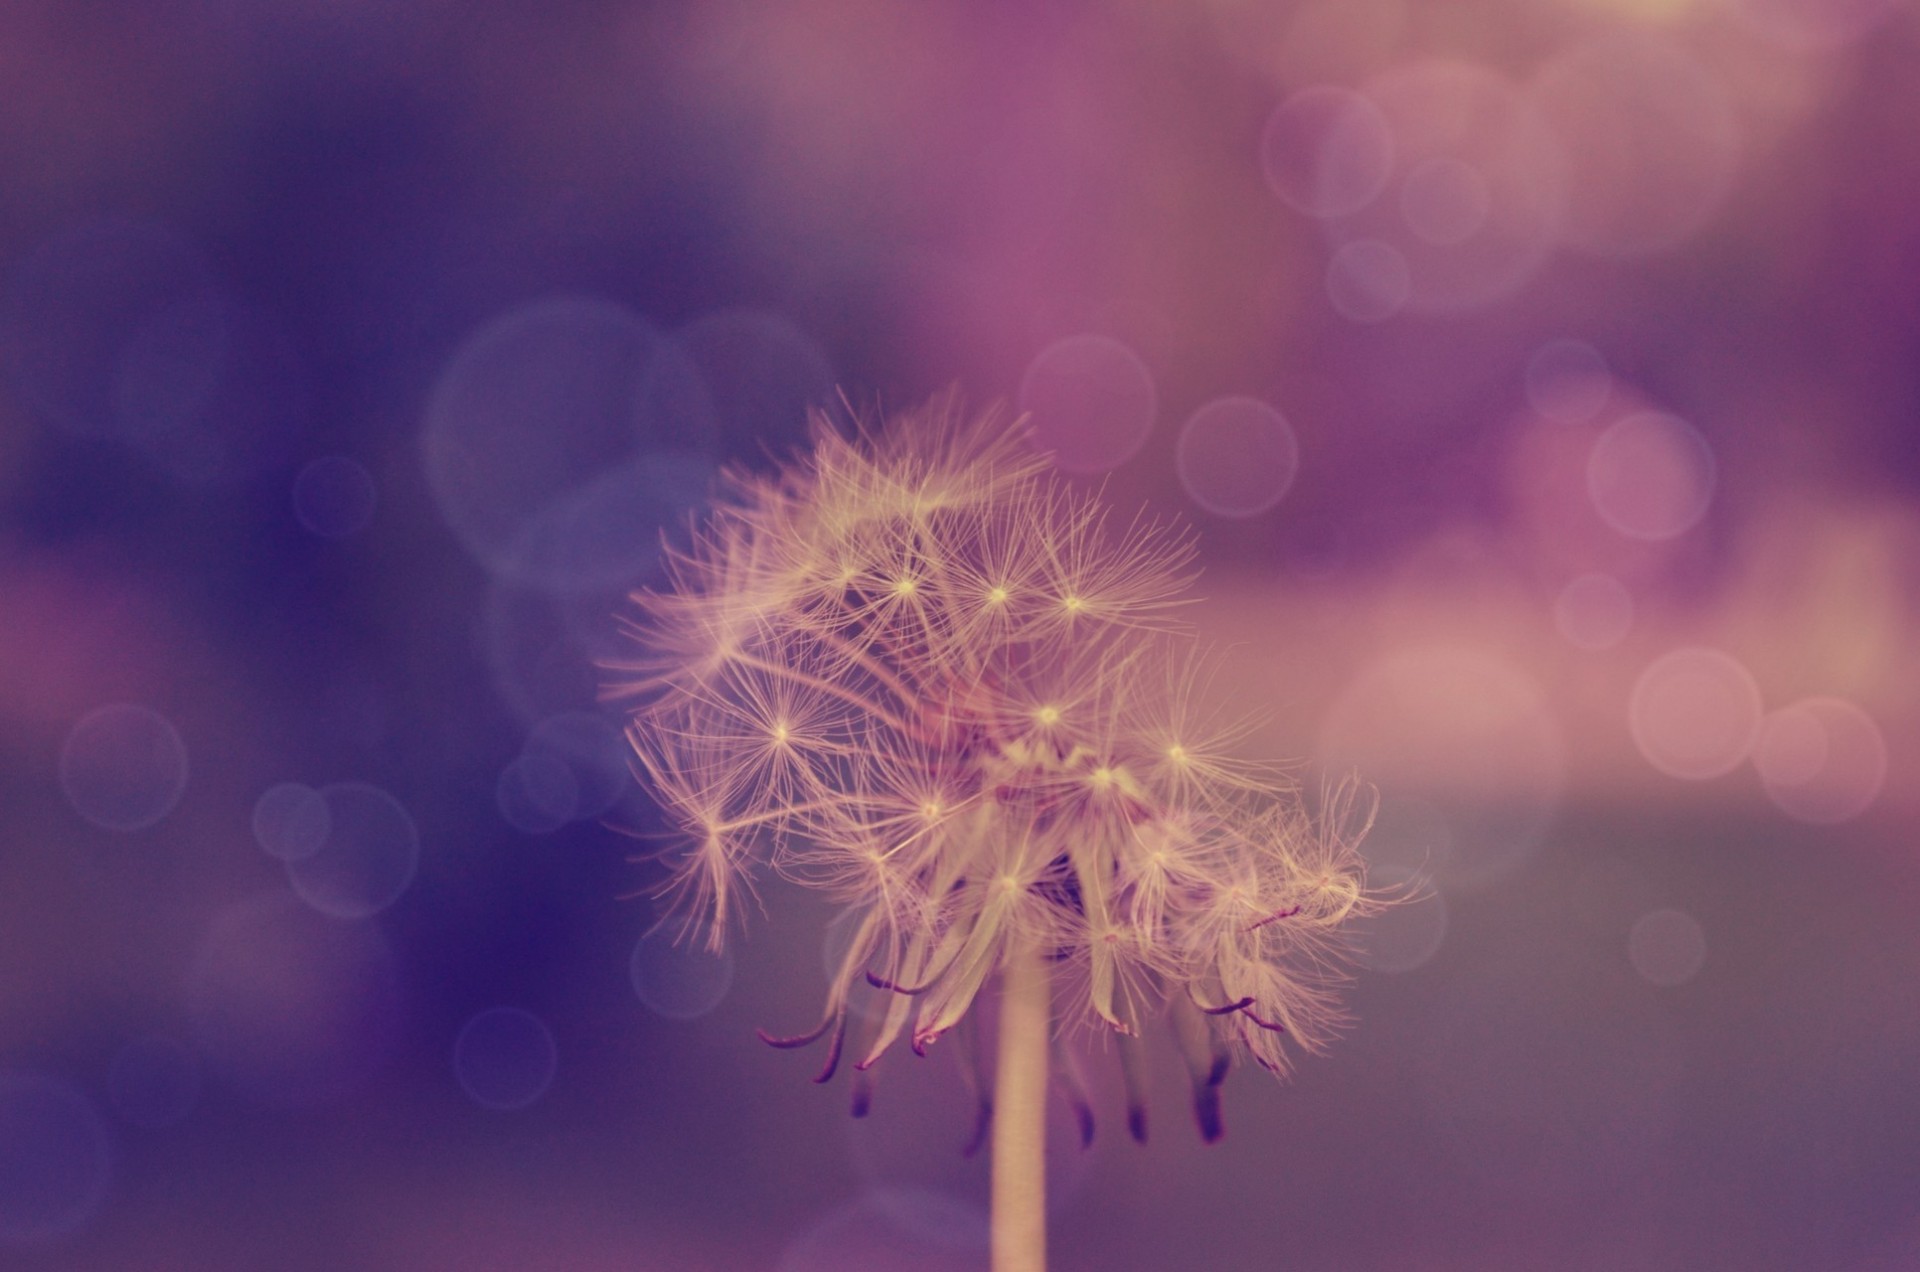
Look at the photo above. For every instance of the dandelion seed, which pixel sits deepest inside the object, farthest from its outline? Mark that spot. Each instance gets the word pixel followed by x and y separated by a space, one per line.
pixel 916 671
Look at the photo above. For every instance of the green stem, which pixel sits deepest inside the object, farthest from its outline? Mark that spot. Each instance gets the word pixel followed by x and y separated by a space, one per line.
pixel 1020 1113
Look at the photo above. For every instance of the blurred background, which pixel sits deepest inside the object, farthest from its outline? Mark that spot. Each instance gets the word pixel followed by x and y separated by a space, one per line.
pixel 1541 378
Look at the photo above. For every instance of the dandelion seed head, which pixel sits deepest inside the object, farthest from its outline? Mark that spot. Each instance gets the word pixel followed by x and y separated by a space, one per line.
pixel 915 670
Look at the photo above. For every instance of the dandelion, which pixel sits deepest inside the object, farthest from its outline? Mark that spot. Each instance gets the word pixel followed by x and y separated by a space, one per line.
pixel 916 671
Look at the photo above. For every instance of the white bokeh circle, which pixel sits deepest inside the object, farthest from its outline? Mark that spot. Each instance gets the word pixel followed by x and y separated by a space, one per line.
pixel 1326 151
pixel 1667 947
pixel 1821 760
pixel 1694 713
pixel 291 821
pixel 1650 475
pixel 56 1159
pixel 369 856
pixel 505 1058
pixel 1594 612
pixel 679 980
pixel 123 766
pixel 1091 402
pixel 1237 457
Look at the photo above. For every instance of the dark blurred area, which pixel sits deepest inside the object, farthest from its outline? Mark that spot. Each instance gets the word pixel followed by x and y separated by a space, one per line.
pixel 1541 379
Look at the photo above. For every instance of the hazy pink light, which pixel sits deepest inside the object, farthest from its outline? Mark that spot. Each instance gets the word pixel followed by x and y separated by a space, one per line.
pixel 1792 747
pixel 1477 185
pixel 1694 713
pixel 1821 760
pixel 1368 280
pixel 1445 202
pixel 1551 474
pixel 1464 731
pixel 1651 139
pixel 1567 381
pixel 1650 475
pixel 1594 611
pixel 1811 25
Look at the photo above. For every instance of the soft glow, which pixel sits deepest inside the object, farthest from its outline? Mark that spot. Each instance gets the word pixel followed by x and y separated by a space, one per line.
pixel 76 305
pixel 1567 381
pixel 1327 151
pixel 1317 41
pixel 893 1227
pixel 1407 934
pixel 1477 185
pixel 593 752
pixel 123 767
pixel 1237 457
pixel 170 371
pixel 1821 760
pixel 1444 201
pixel 1609 893
pixel 118 329
pixel 1811 25
pixel 289 1006
pixel 1650 475
pixel 584 542
pixel 536 447
pixel 531 408
pixel 1368 280
pixel 1694 713
pixel 756 375
pixel 369 857
pixel 1652 140
pixel 680 982
pixel 1463 733
pixel 1594 612
pixel 505 1058
pixel 334 496
pixel 1667 947
pixel 1409 838
pixel 291 821
pixel 154 1082
pixel 537 793
pixel 542 650
pixel 56 1160
pixel 1092 402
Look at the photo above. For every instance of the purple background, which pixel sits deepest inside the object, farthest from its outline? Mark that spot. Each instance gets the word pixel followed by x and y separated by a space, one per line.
pixel 353 355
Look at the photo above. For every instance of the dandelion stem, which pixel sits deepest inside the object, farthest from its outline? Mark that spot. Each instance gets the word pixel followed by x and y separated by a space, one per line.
pixel 1019 1114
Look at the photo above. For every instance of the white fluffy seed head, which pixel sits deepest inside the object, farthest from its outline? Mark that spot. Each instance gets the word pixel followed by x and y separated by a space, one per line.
pixel 919 672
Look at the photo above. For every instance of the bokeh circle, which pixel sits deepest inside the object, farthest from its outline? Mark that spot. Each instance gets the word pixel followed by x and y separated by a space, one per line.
pixel 56 1158
pixel 505 1058
pixel 123 767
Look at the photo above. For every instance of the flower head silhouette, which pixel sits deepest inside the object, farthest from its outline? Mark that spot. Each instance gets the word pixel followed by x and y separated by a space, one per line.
pixel 918 672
